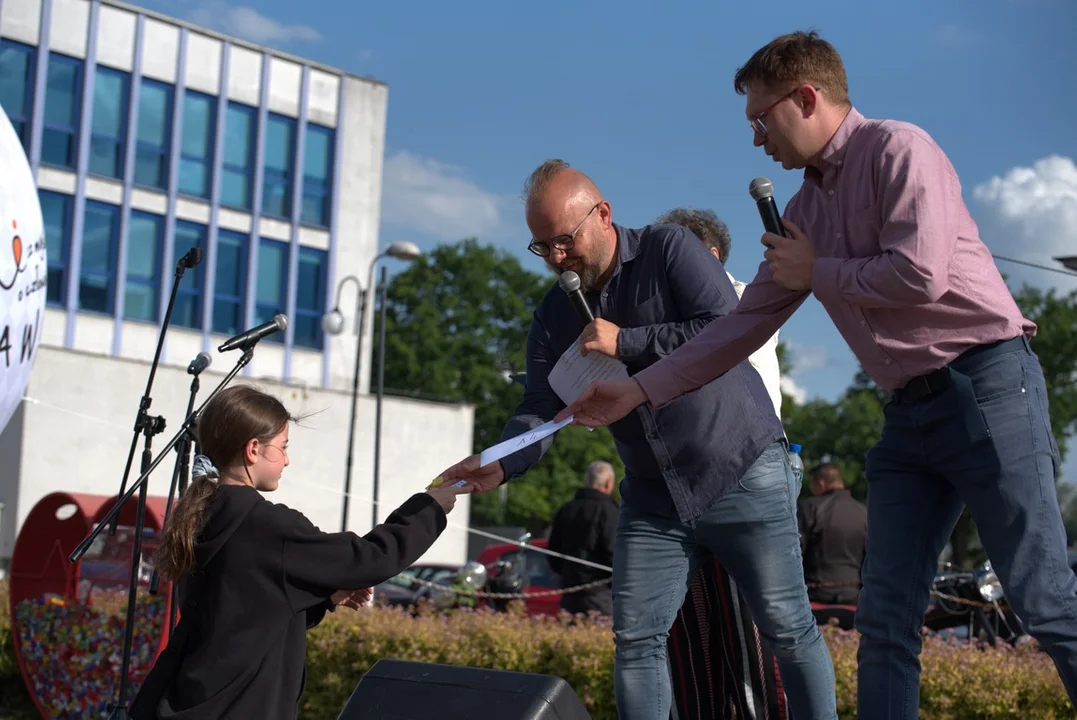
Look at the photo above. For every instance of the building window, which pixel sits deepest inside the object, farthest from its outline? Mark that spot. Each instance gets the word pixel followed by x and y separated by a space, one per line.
pixel 196 148
pixel 317 176
pixel 109 122
pixel 277 173
pixel 56 212
pixel 154 134
pixel 310 298
pixel 187 312
pixel 16 85
pixel 230 283
pixel 59 143
pixel 238 165
pixel 97 283
pixel 144 238
pixel 272 279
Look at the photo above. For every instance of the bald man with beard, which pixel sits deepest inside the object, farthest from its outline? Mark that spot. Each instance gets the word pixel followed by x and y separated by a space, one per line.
pixel 707 474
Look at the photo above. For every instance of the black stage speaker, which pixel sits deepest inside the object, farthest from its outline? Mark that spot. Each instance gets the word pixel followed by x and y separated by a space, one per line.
pixel 399 690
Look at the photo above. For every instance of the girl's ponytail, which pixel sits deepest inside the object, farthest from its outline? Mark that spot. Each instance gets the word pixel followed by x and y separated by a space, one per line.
pixel 175 554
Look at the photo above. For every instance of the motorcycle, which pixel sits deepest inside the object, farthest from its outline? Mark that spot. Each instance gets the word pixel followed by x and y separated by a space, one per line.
pixel 507 574
pixel 963 603
pixel 972 604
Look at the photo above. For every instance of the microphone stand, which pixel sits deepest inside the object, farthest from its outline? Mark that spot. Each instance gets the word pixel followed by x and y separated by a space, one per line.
pixel 119 710
pixel 142 420
pixel 147 426
pixel 180 476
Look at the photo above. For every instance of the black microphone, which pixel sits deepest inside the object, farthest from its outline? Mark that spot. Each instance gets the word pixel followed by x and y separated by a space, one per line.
pixel 192 258
pixel 762 192
pixel 570 283
pixel 201 361
pixel 248 339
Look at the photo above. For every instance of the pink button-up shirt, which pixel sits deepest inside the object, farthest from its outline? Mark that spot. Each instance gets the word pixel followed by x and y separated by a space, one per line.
pixel 900 267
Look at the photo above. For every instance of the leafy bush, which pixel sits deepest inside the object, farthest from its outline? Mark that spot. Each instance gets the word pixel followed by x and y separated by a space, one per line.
pixel 959 681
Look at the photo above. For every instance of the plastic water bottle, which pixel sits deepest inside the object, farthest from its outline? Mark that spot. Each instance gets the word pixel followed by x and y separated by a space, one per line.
pixel 797 463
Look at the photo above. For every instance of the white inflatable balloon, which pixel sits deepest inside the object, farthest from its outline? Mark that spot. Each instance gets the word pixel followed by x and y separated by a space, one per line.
pixel 23 271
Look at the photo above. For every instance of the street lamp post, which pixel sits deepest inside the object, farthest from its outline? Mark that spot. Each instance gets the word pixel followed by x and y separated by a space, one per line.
pixel 333 324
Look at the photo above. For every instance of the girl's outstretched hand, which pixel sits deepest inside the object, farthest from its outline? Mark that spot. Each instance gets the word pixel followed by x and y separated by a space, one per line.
pixel 445 493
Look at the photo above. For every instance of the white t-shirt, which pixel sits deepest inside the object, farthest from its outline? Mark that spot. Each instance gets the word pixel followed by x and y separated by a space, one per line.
pixel 765 360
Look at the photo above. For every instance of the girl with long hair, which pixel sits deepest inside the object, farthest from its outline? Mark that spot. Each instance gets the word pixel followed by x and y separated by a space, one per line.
pixel 254 576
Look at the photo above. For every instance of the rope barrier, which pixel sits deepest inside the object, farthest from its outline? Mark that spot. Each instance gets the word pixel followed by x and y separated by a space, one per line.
pixel 483 533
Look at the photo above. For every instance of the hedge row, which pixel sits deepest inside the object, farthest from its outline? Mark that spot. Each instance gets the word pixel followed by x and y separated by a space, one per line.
pixel 959 681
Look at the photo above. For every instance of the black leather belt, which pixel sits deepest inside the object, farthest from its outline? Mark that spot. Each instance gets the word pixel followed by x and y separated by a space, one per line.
pixel 938 381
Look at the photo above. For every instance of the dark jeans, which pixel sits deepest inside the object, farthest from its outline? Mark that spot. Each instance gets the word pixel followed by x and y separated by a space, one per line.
pixel 984 442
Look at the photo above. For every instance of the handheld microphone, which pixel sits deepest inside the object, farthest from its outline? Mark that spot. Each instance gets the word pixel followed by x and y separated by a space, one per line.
pixel 201 361
pixel 570 283
pixel 247 339
pixel 762 191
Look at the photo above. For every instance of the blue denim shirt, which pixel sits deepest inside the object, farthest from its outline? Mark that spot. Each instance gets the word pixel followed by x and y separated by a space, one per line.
pixel 679 459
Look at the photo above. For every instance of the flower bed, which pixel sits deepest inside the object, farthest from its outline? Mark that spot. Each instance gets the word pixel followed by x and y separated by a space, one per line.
pixel 959 681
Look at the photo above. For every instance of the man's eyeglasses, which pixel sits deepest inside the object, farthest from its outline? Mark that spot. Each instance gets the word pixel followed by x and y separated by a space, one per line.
pixel 561 242
pixel 757 120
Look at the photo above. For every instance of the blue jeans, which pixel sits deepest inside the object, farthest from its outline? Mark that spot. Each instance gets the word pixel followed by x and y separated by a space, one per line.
pixel 984 442
pixel 753 533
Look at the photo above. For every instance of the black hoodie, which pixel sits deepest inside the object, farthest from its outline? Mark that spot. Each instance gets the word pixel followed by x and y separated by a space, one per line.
pixel 265 575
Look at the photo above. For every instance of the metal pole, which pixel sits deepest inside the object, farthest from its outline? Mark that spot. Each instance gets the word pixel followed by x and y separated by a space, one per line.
pixel 351 418
pixel 381 387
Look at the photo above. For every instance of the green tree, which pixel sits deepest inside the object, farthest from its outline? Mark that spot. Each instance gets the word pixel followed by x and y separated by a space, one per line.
pixel 456 330
pixel 1055 344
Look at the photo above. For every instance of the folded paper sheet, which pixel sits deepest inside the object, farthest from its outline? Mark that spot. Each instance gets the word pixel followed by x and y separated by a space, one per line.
pixel 507 447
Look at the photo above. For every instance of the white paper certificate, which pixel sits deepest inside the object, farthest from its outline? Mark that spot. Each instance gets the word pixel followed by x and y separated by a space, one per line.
pixel 507 447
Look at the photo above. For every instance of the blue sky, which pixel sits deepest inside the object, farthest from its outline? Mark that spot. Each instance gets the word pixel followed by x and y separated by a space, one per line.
pixel 641 99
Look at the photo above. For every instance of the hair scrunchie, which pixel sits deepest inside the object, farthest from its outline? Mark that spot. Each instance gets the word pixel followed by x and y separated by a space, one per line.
pixel 204 467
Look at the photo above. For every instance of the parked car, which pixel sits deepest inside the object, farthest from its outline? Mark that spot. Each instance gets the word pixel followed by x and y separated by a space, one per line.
pixel 533 571
pixel 403 591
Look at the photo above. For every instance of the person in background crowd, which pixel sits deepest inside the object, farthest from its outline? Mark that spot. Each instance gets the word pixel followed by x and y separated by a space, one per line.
pixel 586 527
pixel 833 538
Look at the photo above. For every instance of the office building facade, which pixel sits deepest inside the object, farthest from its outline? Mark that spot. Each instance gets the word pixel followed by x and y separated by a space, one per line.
pixel 149 137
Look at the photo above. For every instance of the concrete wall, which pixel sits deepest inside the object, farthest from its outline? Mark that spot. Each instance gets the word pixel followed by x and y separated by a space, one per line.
pixel 75 432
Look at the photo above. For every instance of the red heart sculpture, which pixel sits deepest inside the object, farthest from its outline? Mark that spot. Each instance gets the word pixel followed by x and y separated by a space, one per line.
pixel 68 618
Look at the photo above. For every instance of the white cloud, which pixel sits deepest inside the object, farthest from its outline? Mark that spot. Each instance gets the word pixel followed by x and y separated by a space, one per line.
pixel 791 388
pixel 1030 214
pixel 248 23
pixel 428 196
pixel 806 358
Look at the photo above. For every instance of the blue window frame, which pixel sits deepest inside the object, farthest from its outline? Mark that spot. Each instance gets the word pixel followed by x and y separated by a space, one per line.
pixel 187 312
pixel 310 298
pixel 63 93
pixel 144 240
pixel 56 212
pixel 196 145
pixel 230 283
pixel 237 168
pixel 271 293
pixel 154 134
pixel 107 137
pixel 317 176
pixel 277 174
pixel 97 279
pixel 17 85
